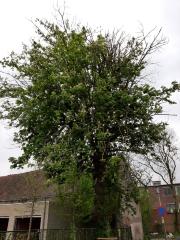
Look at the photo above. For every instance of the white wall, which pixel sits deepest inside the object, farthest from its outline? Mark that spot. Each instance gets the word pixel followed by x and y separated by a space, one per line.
pixel 13 210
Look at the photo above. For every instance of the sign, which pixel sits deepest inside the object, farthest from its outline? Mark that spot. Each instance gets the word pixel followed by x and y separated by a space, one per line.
pixel 161 211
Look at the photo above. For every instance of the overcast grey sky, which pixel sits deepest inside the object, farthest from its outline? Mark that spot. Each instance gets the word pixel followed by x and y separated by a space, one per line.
pixel 16 27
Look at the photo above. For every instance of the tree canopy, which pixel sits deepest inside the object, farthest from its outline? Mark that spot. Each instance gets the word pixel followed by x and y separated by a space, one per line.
pixel 79 100
pixel 162 158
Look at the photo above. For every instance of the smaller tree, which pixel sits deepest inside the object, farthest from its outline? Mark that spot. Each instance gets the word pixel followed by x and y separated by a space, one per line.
pixel 145 206
pixel 162 160
pixel 35 186
pixel 76 196
pixel 141 173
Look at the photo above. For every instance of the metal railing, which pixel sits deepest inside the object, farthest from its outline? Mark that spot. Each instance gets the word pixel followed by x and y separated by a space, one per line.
pixel 124 233
pixel 63 234
pixel 18 235
pixel 54 234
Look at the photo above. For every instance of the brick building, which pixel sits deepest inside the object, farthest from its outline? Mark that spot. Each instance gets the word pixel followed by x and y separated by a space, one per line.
pixel 161 196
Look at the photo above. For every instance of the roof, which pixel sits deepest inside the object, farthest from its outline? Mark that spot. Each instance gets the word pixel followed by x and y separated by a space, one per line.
pixel 25 186
pixel 163 185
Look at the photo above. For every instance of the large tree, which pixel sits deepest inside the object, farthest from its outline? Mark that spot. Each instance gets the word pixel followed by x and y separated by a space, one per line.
pixel 79 101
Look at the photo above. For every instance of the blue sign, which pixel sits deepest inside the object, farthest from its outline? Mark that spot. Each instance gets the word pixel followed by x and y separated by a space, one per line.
pixel 161 211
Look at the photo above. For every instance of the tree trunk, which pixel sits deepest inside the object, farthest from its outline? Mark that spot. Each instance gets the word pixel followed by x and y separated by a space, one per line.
pixel 30 221
pixel 98 217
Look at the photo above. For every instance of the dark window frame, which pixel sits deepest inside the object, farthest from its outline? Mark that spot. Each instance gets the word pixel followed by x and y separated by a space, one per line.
pixel 170 208
pixel 167 191
pixel 5 227
pixel 26 218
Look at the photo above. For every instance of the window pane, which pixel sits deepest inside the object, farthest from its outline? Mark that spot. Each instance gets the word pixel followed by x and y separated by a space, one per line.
pixel 167 191
pixel 4 224
pixel 23 223
pixel 178 190
pixel 170 207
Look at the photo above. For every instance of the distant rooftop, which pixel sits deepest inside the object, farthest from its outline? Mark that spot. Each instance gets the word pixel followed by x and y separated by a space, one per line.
pixel 23 186
pixel 158 184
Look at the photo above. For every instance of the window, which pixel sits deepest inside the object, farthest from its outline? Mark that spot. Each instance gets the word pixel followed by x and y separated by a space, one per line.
pixel 178 190
pixel 167 191
pixel 170 207
pixel 4 224
pixel 23 223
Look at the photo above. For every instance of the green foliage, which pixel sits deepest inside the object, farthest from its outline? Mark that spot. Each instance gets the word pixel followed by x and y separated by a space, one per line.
pixel 79 103
pixel 76 195
pixel 145 206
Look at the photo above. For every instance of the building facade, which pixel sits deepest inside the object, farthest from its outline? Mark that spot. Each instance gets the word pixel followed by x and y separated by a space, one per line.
pixel 135 221
pixel 27 196
pixel 162 207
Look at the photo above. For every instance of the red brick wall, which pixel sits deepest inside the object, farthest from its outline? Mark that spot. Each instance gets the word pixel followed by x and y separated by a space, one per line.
pixel 156 220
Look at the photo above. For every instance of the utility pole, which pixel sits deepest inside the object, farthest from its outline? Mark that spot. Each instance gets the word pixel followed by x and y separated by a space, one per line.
pixel 162 218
